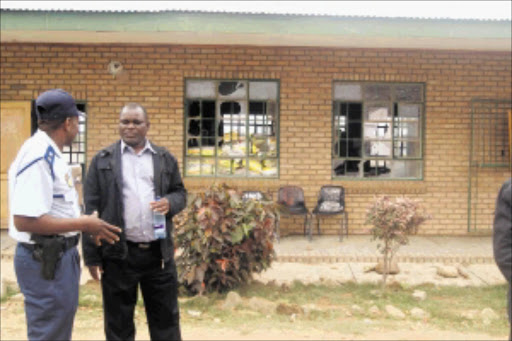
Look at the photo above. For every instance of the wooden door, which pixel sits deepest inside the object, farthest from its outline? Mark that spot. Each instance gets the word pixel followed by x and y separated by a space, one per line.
pixel 15 129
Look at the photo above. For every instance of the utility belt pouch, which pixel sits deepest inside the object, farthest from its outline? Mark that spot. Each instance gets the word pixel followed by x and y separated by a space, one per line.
pixel 48 250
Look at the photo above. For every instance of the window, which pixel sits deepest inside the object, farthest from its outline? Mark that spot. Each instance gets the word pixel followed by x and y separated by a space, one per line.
pixel 377 130
pixel 231 128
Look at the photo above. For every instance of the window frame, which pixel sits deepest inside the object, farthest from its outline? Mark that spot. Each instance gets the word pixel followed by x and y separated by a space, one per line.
pixel 392 104
pixel 216 157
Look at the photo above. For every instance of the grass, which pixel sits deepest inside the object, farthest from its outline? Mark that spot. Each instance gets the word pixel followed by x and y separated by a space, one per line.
pixel 445 305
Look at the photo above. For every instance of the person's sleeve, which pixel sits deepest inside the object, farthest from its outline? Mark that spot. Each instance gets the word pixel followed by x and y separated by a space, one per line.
pixel 176 193
pixel 33 189
pixel 502 236
pixel 91 252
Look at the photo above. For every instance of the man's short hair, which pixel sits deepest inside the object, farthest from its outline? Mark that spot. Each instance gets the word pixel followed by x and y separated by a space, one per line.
pixel 134 105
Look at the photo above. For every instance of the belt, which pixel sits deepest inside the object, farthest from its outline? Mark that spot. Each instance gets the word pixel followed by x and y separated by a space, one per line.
pixel 143 245
pixel 69 242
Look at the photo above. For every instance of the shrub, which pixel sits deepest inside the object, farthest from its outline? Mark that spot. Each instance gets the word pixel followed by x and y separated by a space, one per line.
pixel 393 221
pixel 223 240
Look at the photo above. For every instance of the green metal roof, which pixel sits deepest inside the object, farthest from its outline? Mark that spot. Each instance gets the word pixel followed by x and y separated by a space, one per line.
pixel 297 27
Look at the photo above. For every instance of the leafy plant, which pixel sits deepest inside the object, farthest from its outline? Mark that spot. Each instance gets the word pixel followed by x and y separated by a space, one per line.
pixel 223 239
pixel 394 220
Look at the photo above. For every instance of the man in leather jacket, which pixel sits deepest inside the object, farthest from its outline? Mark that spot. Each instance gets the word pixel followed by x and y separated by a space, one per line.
pixel 121 186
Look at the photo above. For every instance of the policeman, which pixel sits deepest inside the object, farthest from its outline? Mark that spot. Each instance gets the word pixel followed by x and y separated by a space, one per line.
pixel 45 220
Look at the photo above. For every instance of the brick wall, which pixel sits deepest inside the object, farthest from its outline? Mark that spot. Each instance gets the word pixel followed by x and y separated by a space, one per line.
pixel 155 77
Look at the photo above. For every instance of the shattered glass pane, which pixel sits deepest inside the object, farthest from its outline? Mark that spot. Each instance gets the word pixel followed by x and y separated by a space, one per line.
pixel 377 92
pixel 409 93
pixel 263 91
pixel 380 168
pixel 233 90
pixel 347 91
pixel 200 89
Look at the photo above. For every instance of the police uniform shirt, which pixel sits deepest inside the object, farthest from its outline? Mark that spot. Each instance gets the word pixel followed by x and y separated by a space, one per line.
pixel 40 182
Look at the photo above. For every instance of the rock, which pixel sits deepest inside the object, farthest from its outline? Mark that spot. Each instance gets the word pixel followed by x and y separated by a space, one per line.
pixel 393 267
pixel 419 295
pixel 293 317
pixel 488 315
pixel 216 320
pixel 261 305
pixel 394 312
pixel 447 271
pixel 194 313
pixel 374 310
pixel 232 301
pixel 419 314
pixel 367 321
pixel 463 272
pixel 356 309
pixel 289 309
pixel 309 308
pixel 469 314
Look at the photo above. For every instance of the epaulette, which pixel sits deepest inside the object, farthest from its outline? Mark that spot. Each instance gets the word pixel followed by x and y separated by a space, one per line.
pixel 49 157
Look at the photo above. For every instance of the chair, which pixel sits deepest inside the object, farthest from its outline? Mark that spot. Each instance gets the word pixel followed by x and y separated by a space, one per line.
pixel 258 195
pixel 290 201
pixel 331 201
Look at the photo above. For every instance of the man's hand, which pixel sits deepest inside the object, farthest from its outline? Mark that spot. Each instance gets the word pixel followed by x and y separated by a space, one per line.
pixel 95 271
pixel 163 206
pixel 99 229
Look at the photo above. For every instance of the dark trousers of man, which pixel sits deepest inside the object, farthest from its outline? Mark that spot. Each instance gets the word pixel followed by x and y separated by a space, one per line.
pixel 159 286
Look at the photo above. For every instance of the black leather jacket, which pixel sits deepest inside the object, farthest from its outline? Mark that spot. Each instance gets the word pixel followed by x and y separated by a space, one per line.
pixel 103 193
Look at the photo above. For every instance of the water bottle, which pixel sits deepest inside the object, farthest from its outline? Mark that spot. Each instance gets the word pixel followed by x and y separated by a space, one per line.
pixel 159 223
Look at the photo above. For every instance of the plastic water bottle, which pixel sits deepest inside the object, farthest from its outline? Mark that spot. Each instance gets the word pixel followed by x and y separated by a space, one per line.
pixel 159 223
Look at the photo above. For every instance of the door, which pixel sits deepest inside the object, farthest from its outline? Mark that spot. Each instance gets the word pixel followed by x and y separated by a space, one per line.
pixel 15 129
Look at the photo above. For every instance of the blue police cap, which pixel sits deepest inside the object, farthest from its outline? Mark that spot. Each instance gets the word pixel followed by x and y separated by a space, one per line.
pixel 56 104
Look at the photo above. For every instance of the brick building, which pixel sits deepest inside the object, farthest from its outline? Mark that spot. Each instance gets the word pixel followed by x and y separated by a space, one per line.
pixel 416 107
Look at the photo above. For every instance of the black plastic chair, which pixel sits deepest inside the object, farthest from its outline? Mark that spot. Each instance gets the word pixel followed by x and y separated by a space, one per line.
pixel 290 201
pixel 258 195
pixel 331 201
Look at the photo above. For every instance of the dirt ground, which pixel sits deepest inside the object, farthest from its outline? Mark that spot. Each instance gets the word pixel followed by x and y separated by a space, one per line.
pixel 89 322
pixel 90 327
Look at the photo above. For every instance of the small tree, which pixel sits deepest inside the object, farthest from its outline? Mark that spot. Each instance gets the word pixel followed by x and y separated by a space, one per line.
pixel 223 239
pixel 393 221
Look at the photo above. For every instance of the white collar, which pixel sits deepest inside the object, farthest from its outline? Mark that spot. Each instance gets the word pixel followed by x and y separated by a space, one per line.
pixel 147 146
pixel 40 134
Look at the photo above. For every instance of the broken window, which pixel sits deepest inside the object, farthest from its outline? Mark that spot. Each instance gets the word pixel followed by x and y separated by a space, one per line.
pixel 231 128
pixel 377 130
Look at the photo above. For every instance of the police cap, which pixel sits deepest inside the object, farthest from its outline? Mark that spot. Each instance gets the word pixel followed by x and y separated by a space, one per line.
pixel 56 104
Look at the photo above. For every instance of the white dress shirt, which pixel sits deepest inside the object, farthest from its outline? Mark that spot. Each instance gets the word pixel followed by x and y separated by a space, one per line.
pixel 138 192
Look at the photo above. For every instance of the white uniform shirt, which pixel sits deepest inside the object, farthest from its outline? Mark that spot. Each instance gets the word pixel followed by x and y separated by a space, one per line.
pixel 40 182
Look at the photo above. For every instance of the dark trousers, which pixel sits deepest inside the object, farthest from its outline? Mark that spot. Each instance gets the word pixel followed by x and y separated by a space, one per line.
pixel 120 281
pixel 50 306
